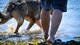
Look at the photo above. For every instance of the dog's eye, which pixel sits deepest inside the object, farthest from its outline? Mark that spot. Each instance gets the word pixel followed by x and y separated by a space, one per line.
pixel 12 6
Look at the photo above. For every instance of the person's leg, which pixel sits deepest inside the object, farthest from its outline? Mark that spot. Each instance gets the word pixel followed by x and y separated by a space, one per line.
pixel 55 22
pixel 45 21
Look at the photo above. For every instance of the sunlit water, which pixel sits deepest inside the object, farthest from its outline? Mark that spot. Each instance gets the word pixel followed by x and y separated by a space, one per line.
pixel 70 25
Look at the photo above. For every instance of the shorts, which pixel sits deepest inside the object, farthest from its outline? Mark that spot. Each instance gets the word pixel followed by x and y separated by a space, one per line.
pixel 54 4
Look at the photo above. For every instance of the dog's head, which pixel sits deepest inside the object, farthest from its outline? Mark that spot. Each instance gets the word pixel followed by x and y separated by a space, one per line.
pixel 6 14
pixel 14 7
pixel 10 7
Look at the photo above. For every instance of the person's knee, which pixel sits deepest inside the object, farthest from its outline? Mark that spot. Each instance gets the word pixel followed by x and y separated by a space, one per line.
pixel 44 12
pixel 57 11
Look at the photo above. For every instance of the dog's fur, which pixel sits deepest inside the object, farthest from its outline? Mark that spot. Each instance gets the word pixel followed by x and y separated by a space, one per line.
pixel 26 10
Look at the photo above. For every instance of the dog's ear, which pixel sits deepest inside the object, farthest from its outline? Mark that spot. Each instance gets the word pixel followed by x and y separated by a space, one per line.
pixel 0 15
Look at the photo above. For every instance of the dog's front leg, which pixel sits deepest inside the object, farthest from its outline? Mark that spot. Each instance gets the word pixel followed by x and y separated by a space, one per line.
pixel 19 18
pixel 20 21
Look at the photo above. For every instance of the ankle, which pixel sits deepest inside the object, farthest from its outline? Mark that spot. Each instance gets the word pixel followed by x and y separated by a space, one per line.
pixel 50 38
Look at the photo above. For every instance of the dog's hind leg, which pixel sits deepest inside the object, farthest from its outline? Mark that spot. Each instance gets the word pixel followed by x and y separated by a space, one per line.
pixel 38 23
pixel 31 23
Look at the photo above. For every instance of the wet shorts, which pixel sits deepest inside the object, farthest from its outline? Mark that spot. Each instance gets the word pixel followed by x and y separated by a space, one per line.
pixel 54 4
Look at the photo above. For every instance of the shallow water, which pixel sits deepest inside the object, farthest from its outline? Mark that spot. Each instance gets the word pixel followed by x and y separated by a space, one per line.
pixel 70 22
pixel 70 25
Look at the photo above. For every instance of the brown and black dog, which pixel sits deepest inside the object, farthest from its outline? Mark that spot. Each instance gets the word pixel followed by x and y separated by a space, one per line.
pixel 22 10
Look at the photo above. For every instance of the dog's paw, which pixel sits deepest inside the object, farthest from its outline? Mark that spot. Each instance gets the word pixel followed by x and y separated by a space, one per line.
pixel 23 31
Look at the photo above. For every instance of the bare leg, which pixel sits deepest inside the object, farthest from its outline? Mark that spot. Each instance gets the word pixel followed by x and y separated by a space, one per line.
pixel 55 22
pixel 45 21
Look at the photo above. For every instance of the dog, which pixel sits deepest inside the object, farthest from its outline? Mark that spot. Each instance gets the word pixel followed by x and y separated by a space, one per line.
pixel 29 10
